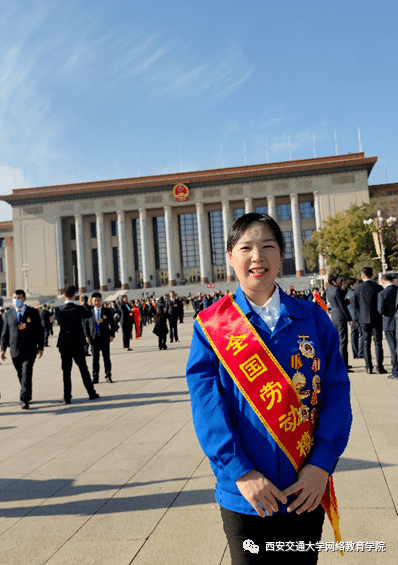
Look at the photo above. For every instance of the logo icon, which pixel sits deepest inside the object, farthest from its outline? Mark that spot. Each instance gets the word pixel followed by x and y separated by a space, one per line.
pixel 250 546
pixel 181 192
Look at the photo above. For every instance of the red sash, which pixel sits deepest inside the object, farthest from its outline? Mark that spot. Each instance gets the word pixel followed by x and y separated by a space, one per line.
pixel 265 385
pixel 137 321
pixel 320 302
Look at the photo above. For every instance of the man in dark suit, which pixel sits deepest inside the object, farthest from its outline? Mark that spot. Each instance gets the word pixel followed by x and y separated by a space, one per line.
pixel 365 300
pixel 71 341
pixel 23 333
pixel 85 303
pixel 100 332
pixel 46 320
pixel 387 306
pixel 356 337
pixel 339 314
pixel 173 314
pixel 126 321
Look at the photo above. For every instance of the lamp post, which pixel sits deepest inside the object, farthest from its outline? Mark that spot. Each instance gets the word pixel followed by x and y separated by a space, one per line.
pixel 376 226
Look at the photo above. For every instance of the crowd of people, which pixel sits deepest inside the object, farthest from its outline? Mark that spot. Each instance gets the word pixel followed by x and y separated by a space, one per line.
pixel 87 330
pixel 370 309
pixel 367 307
pixel 88 326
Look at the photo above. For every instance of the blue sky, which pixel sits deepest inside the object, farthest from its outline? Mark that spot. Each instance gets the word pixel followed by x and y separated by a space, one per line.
pixel 123 88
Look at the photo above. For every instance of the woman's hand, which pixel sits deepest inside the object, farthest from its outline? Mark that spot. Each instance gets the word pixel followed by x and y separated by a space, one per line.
pixel 259 490
pixel 310 486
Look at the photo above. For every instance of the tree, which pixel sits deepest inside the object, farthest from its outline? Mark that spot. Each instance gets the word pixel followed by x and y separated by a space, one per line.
pixel 388 208
pixel 347 243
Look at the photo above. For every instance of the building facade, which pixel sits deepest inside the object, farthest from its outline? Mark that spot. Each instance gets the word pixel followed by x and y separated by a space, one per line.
pixel 7 267
pixel 171 229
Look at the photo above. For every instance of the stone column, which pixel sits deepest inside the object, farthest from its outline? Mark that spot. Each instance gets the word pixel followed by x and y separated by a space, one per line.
pixel 318 225
pixel 168 224
pixel 248 205
pixel 101 251
pixel 146 283
pixel 298 248
pixel 271 206
pixel 10 265
pixel 122 250
pixel 80 253
pixel 60 254
pixel 226 226
pixel 204 279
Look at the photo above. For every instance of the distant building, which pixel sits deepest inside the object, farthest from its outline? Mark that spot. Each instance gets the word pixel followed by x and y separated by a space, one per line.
pixel 170 229
pixel 384 190
pixel 7 267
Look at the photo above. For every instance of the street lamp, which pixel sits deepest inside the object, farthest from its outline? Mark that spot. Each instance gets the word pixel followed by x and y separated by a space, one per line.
pixel 376 226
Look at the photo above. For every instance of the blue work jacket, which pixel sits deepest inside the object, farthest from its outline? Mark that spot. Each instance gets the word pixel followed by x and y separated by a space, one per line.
pixel 229 431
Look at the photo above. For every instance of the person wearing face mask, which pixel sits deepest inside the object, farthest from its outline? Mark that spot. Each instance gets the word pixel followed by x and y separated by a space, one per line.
pixel 100 332
pixel 23 333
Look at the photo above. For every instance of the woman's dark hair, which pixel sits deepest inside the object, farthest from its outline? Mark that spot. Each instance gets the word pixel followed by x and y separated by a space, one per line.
pixel 239 227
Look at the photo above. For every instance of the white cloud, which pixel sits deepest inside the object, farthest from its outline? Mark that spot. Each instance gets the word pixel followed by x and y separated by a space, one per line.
pixel 62 51
pixel 218 77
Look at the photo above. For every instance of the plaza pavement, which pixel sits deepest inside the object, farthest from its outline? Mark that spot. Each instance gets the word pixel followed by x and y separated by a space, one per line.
pixel 123 480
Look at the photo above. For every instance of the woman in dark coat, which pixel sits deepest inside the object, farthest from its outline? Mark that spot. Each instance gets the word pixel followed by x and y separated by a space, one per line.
pixel 160 328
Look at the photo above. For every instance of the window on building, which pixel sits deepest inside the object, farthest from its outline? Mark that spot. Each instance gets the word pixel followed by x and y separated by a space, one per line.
pixel 2 265
pixel 114 227
pixel 289 265
pixel 307 234
pixel 284 212
pixel 238 213
pixel 94 256
pixel 116 267
pixel 262 209
pixel 75 271
pixel 2 242
pixel 306 210
pixel 137 245
pixel 217 238
pixel 289 246
pixel 159 238
pixel 93 227
pixel 73 231
pixel 3 289
pixel 189 240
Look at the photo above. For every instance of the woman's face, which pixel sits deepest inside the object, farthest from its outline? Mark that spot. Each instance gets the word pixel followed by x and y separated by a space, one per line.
pixel 256 259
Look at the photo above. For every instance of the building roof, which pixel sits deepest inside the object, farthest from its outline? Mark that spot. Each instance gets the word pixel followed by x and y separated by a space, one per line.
pixel 390 189
pixel 213 177
pixel 6 226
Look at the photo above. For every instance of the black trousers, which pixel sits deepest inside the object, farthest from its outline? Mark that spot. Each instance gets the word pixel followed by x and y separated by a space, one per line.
pixel 306 527
pixel 101 344
pixel 367 331
pixel 356 341
pixel 46 334
pixel 24 367
pixel 126 331
pixel 391 338
pixel 342 329
pixel 162 340
pixel 173 329
pixel 68 355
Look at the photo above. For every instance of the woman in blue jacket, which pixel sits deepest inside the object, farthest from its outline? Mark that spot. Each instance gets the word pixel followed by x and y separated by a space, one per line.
pixel 268 504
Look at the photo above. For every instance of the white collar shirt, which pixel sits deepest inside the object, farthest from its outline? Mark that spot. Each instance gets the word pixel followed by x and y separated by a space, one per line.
pixel 20 312
pixel 270 311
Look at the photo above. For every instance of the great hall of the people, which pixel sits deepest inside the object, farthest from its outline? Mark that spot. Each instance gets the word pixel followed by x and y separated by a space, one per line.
pixel 169 229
